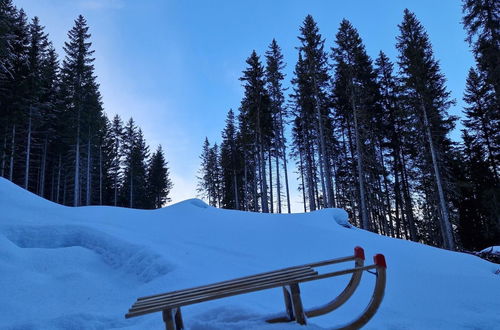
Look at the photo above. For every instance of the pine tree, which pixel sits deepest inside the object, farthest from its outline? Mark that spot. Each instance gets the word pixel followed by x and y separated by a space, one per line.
pixel 274 77
pixel 115 171
pixel 17 89
pixel 135 153
pixel 478 200
pixel 8 13
pixel 37 52
pixel 256 120
pixel 159 184
pixel 397 134
pixel 78 85
pixel 481 119
pixel 49 111
pixel 356 95
pixel 482 23
pixel 312 105
pixel 230 164
pixel 304 133
pixel 215 173
pixel 425 93
pixel 204 172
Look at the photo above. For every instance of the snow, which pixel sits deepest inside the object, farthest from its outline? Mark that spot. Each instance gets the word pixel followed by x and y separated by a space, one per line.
pixel 492 250
pixel 82 268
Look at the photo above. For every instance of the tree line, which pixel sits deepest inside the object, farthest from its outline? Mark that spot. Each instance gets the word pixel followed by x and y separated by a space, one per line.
pixel 369 136
pixel 55 139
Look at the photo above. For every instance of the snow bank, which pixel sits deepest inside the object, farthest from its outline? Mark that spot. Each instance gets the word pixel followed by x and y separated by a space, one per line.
pixel 492 250
pixel 82 268
pixel 131 259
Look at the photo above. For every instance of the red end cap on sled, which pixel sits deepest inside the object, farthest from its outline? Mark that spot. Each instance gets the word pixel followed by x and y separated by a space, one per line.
pixel 359 253
pixel 379 260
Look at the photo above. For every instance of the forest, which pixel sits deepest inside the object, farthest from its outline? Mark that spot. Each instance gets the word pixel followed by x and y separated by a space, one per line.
pixel 55 138
pixel 369 136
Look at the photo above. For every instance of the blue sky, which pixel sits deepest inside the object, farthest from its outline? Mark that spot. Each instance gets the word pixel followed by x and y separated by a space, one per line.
pixel 174 65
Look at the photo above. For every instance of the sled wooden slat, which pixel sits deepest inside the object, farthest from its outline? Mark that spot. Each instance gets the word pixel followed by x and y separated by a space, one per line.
pixel 216 293
pixel 247 279
pixel 170 303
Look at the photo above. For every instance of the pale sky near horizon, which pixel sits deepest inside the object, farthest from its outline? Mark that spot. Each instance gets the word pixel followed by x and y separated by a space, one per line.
pixel 174 65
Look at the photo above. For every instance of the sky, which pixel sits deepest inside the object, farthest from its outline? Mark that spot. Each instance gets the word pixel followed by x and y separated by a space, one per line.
pixel 174 65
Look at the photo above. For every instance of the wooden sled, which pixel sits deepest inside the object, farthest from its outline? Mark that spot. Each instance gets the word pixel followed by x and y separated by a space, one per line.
pixel 170 303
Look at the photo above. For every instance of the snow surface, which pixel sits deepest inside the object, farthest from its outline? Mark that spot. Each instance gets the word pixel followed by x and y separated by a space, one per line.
pixel 492 250
pixel 82 268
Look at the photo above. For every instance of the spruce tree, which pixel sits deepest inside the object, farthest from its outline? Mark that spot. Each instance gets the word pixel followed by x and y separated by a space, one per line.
pixel 425 93
pixel 312 102
pixel 204 185
pixel 115 170
pixel 482 119
pixel 477 171
pixel 256 118
pixel 305 133
pixel 230 164
pixel 17 91
pixel 274 77
pixel 8 13
pixel 482 23
pixel 135 154
pixel 78 85
pixel 37 52
pixel 398 142
pixel 50 109
pixel 159 184
pixel 356 95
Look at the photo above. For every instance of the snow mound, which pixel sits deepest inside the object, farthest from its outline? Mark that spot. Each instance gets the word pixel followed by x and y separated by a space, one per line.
pixel 492 250
pixel 128 258
pixel 83 267
pixel 197 202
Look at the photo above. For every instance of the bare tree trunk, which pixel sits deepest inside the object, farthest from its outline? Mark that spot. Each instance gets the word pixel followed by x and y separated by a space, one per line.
pixel 284 164
pixel 115 195
pixel 245 186
pixel 324 166
pixel 43 166
pixel 28 152
pixel 12 148
pixel 324 202
pixel 76 188
pixel 310 182
pixel 446 229
pixel 263 192
pixel 314 176
pixel 131 194
pixel 389 224
pixel 271 201
pixel 65 189
pixel 255 200
pixel 52 183
pixel 100 174
pixel 59 179
pixel 398 204
pixel 408 202
pixel 365 221
pixel 286 184
pixel 89 156
pixel 303 183
pixel 278 182
pixel 235 185
pixel 4 150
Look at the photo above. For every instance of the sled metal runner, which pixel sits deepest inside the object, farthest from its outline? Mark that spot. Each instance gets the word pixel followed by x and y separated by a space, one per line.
pixel 170 303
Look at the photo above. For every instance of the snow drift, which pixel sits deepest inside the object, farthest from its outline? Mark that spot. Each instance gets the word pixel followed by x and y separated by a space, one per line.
pixel 82 268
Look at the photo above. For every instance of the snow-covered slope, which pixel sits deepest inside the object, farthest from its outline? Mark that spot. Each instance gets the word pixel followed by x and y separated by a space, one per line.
pixel 82 268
